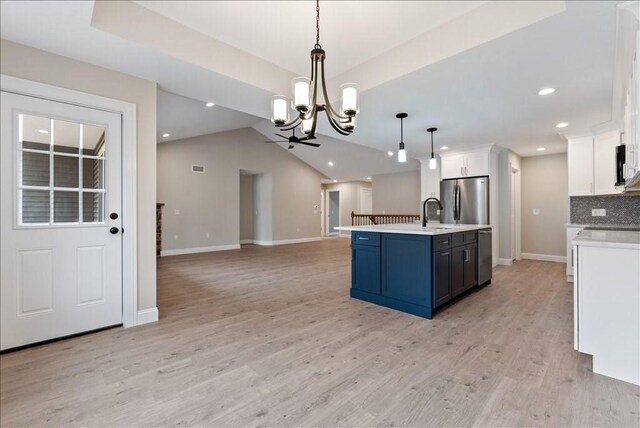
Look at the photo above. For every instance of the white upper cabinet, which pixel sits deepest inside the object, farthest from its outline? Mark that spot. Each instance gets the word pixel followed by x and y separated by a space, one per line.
pixel 592 164
pixel 476 164
pixel 466 165
pixel 605 162
pixel 452 166
pixel 580 165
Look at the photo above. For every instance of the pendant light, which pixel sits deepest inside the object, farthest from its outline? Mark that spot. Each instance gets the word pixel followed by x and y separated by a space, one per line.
pixel 402 153
pixel 433 162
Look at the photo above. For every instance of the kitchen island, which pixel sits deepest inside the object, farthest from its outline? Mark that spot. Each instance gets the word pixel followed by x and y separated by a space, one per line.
pixel 418 269
pixel 607 301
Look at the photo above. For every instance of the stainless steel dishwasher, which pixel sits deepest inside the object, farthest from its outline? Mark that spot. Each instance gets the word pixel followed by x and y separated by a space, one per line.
pixel 484 256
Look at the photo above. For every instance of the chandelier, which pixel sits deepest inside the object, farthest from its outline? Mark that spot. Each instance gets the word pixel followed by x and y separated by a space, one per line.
pixel 308 102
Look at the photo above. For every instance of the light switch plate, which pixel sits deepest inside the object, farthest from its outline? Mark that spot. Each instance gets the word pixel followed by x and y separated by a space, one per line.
pixel 598 213
pixel 536 211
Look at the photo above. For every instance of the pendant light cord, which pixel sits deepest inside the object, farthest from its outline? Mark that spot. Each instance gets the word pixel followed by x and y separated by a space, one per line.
pixel 432 144
pixel 402 130
pixel 317 46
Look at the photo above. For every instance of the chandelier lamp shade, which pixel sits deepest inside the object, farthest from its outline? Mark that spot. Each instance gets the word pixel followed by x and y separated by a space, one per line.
pixel 402 153
pixel 433 162
pixel 310 97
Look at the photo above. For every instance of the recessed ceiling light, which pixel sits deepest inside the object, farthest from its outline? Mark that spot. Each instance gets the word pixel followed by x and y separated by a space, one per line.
pixel 368 178
pixel 165 135
pixel 209 104
pixel 43 131
pixel 330 163
pixel 390 153
pixel 546 91
pixel 444 148
pixel 541 149
pixel 335 181
pixel 562 125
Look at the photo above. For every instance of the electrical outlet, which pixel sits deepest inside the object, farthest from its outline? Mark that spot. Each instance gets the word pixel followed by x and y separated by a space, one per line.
pixel 207 235
pixel 598 213
pixel 176 212
pixel 536 211
pixel 175 237
pixel 437 212
pixel 298 229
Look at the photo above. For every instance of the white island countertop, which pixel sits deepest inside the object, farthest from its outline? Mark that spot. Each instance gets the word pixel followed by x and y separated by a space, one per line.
pixel 416 229
pixel 608 238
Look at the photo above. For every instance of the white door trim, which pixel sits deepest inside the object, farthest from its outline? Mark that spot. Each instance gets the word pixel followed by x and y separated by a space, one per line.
pixel 129 185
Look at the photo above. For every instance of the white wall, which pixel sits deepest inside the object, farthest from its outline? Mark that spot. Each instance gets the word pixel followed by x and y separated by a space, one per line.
pixel 397 193
pixel 285 194
pixel 40 66
pixel 544 187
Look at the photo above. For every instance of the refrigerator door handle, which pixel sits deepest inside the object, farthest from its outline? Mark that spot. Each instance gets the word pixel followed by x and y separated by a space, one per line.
pixel 455 202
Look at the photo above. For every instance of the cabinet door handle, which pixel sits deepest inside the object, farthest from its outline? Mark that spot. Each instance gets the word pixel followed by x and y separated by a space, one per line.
pixel 446 241
pixel 446 253
pixel 461 171
pixel 467 255
pixel 363 239
pixel 590 187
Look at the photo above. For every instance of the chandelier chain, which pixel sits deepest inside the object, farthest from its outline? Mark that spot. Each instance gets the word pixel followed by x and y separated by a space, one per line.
pixel 317 46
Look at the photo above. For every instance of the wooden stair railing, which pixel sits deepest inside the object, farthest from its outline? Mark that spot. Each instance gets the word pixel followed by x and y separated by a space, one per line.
pixel 369 219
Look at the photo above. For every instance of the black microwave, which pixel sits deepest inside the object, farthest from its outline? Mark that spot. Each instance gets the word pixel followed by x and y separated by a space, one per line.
pixel 620 161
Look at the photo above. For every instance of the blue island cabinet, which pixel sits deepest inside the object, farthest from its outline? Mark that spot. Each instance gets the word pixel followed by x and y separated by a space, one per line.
pixel 393 270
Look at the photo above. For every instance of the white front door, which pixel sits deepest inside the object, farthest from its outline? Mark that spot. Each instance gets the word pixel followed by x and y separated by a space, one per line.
pixel 60 218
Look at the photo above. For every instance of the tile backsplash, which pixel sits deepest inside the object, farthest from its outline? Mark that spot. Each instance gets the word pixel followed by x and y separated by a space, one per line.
pixel 620 209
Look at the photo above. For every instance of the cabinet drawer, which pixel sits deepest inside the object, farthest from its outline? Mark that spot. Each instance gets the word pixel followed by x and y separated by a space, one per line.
pixel 457 239
pixel 441 242
pixel 470 237
pixel 365 238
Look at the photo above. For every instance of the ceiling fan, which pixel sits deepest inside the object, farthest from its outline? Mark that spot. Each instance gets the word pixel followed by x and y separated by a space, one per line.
pixel 293 140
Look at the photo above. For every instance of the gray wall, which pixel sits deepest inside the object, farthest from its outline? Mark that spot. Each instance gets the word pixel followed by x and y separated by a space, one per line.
pixel 621 209
pixel 246 207
pixel 284 194
pixel 397 193
pixel 544 187
pixel 349 199
pixel 40 66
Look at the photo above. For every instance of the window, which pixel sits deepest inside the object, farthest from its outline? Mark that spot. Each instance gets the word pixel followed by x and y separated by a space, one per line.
pixel 61 167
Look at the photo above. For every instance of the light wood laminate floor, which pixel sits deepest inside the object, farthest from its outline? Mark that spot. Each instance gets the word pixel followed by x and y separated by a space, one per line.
pixel 269 336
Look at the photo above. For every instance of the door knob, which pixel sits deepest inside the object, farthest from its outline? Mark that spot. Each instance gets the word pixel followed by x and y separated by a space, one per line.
pixel 114 230
pixel 113 216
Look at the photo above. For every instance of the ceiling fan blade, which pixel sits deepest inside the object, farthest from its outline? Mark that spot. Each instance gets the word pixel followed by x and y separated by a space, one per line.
pixel 290 146
pixel 309 144
pixel 276 141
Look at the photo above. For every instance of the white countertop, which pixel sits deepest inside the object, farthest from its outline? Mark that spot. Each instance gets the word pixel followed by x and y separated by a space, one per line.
pixel 608 238
pixel 417 229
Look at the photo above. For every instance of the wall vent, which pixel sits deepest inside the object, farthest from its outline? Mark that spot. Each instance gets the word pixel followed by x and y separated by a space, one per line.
pixel 197 168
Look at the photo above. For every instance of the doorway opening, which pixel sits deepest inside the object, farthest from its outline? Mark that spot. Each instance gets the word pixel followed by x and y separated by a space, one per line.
pixel 333 212
pixel 255 213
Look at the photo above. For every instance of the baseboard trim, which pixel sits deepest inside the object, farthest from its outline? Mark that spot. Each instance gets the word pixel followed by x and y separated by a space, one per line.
pixel 287 241
pixel 181 251
pixel 504 262
pixel 545 257
pixel 246 241
pixel 146 316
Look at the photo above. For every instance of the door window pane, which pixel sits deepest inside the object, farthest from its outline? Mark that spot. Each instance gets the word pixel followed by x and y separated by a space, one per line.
pixel 66 137
pixel 35 169
pixel 92 173
pixel 34 206
pixel 65 207
pixel 34 132
pixel 92 207
pixel 73 183
pixel 65 171
pixel 93 140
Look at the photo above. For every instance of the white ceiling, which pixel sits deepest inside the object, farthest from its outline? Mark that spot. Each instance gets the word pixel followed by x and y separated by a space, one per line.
pixel 482 93
pixel 283 32
pixel 183 117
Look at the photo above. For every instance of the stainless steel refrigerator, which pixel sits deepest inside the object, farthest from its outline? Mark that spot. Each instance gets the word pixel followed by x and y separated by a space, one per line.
pixel 465 200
